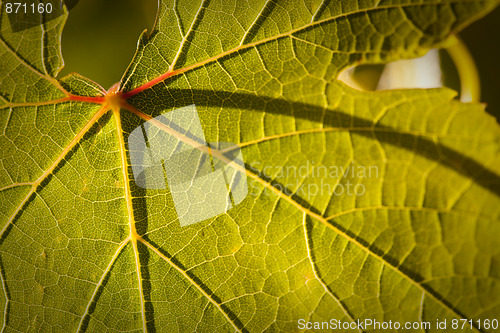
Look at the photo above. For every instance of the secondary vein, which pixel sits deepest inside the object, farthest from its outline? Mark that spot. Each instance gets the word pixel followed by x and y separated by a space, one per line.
pixel 130 212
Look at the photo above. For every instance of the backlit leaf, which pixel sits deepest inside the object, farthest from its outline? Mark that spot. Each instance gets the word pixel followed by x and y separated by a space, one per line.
pixel 360 205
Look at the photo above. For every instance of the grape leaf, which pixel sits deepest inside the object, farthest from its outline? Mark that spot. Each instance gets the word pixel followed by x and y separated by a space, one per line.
pixel 84 248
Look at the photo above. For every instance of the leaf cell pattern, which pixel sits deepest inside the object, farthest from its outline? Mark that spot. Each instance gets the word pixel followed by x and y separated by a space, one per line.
pixel 84 249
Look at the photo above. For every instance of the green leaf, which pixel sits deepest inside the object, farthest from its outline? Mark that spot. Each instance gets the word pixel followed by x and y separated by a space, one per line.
pixel 83 248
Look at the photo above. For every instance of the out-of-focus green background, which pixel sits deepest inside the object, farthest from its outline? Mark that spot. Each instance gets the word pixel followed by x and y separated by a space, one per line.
pixel 100 38
pixel 483 41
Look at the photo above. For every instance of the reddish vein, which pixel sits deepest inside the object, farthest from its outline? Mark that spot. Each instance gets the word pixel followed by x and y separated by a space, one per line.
pixel 149 84
pixel 89 99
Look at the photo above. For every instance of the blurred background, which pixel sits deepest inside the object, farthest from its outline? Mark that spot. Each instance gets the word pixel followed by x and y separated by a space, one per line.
pixel 100 38
pixel 482 38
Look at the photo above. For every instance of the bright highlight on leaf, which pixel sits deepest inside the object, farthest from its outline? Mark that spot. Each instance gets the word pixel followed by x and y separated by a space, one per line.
pixel 411 238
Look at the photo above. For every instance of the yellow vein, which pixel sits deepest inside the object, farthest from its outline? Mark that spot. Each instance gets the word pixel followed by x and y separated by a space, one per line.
pixel 316 274
pixel 183 273
pixel 61 156
pixel 130 211
pixel 101 281
pixel 344 129
pixel 7 300
pixel 187 35
pixel 286 34
pixel 383 261
pixel 461 192
pixel 305 41
pixel 421 308
pixel 177 17
pixel 340 179
pixel 8 187
pixel 383 154
pixel 285 196
pixel 42 49
pixel 333 129
pixel 460 275
pixel 21 60
pixel 30 67
pixel 322 5
pixel 41 103
pixel 410 208
pixel 259 15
